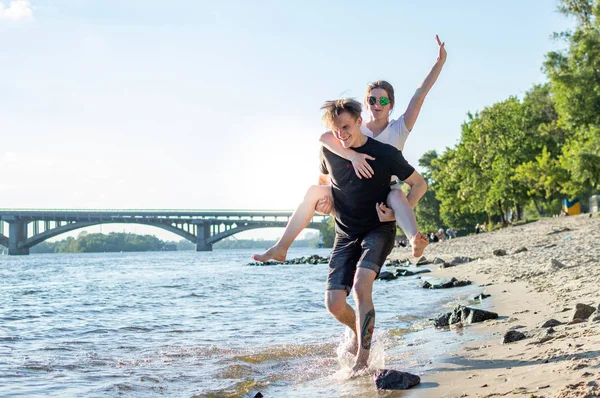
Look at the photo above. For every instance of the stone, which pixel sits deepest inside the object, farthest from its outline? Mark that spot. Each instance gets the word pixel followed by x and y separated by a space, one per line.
pixel 559 230
pixel 390 379
pixel 520 250
pixel 314 259
pixel 442 320
pixel 397 263
pixel 461 283
pixel 499 252
pixel 422 261
pixel 405 272
pixel 462 314
pixel 556 265
pixel 258 395
pixel 445 284
pixel 482 296
pixel 460 260
pixel 582 311
pixel 513 335
pixel 387 276
pixel 550 323
pixel 438 260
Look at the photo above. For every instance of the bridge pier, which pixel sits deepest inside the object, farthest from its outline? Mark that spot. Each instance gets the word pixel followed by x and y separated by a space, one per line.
pixel 201 237
pixel 17 232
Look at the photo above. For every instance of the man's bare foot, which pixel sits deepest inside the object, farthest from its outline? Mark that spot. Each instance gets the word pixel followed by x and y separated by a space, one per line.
pixel 418 243
pixel 276 253
pixel 359 369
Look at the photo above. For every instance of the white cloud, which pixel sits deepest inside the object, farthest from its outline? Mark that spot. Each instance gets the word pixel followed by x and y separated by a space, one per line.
pixel 16 10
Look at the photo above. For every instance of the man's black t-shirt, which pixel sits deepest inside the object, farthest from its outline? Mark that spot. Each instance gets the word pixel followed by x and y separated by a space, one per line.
pixel 354 198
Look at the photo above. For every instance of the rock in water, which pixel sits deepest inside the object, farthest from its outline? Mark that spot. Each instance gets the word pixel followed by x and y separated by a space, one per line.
pixel 390 379
pixel 463 314
pixel 442 320
pixel 387 276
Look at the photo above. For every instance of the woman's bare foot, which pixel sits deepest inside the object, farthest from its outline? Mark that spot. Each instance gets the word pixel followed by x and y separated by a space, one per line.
pixel 276 253
pixel 418 243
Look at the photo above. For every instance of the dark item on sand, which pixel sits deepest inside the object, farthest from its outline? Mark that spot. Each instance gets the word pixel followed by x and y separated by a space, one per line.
pixel 512 335
pixel 390 379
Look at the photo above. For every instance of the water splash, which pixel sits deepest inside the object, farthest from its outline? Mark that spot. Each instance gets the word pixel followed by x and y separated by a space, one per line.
pixel 346 357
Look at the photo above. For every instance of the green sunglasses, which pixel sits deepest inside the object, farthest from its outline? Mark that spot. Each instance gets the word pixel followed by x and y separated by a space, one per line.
pixel 382 100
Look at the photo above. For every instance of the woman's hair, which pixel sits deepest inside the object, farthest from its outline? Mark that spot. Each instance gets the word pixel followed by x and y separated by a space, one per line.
pixel 384 85
pixel 334 108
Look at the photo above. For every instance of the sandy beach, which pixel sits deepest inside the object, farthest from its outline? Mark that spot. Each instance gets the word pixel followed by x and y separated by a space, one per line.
pixel 559 269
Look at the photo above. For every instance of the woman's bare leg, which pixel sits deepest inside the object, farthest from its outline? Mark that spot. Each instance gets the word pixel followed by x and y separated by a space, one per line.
pixel 299 220
pixel 405 217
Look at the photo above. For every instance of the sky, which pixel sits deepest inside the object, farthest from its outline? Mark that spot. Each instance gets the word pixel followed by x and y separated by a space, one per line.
pixel 191 104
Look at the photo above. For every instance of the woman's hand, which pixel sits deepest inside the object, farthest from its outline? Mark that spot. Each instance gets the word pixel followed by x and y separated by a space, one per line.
pixel 361 167
pixel 441 50
pixel 385 213
pixel 325 206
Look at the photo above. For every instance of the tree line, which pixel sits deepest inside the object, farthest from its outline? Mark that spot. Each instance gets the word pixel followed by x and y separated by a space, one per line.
pixel 525 155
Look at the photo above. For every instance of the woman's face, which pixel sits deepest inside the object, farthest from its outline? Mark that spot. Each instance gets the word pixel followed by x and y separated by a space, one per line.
pixel 374 100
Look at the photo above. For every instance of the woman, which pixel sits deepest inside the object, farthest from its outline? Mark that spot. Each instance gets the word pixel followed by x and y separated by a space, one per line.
pixel 379 100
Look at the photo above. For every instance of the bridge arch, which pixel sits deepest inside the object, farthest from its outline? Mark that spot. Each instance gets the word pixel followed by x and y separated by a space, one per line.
pixel 39 238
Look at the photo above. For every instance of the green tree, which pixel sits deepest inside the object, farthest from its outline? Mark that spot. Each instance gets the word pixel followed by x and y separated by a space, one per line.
pixel 428 209
pixel 328 232
pixel 575 77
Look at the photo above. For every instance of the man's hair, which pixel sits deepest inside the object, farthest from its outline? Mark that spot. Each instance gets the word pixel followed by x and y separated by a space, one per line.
pixel 383 85
pixel 336 107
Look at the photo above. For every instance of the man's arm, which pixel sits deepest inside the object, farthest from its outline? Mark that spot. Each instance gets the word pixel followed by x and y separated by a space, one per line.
pixel 414 107
pixel 359 160
pixel 418 187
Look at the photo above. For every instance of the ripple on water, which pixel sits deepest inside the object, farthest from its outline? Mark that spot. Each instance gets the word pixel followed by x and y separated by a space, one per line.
pixel 286 351
pixel 238 389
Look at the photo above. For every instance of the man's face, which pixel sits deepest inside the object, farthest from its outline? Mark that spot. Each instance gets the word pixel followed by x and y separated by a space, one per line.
pixel 347 129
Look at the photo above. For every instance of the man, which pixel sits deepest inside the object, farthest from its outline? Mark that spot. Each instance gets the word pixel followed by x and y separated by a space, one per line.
pixel 362 241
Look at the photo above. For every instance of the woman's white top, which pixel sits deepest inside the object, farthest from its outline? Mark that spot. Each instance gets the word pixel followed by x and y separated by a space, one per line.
pixel 394 134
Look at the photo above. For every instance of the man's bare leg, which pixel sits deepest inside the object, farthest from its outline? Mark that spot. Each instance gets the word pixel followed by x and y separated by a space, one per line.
pixel 335 301
pixel 365 323
pixel 405 217
pixel 299 220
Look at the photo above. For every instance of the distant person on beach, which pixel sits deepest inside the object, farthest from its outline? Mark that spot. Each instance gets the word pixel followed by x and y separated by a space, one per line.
pixel 441 234
pixel 362 241
pixel 379 100
pixel 433 237
pixel 451 232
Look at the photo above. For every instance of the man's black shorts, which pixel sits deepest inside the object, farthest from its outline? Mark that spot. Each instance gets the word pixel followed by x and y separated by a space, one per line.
pixel 368 251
